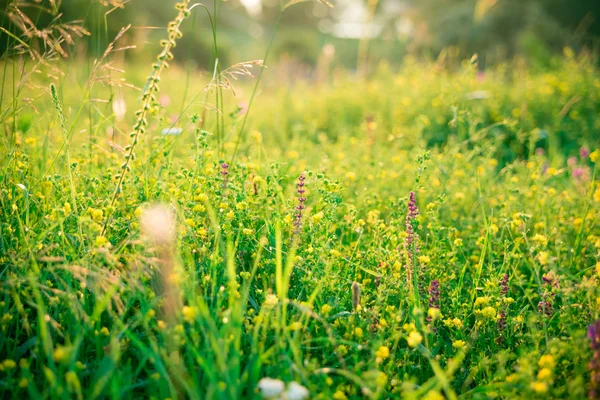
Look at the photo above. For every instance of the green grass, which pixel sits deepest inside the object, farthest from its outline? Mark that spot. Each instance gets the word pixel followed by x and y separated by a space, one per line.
pixel 92 305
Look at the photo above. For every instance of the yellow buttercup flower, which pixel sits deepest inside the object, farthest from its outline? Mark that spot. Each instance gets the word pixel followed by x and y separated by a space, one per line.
pixel 414 339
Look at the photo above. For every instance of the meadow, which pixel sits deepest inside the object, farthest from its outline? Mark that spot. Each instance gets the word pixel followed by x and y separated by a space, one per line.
pixel 421 232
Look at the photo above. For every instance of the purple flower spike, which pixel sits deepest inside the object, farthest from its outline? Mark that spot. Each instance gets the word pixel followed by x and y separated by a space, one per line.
pixel 301 199
pixel 594 364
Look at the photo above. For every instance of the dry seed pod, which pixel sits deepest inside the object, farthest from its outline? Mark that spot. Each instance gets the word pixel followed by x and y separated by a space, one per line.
pixel 355 295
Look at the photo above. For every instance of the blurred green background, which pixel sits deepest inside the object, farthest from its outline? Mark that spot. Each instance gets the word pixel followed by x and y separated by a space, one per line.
pixel 495 29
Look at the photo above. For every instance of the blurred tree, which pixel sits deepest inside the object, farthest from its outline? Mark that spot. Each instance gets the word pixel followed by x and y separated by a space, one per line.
pixel 495 29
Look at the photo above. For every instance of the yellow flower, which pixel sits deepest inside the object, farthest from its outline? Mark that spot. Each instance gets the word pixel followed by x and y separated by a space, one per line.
pixel 543 257
pixel 434 313
pixel 544 374
pixel 256 136
pixel 540 387
pixel 358 332
pixel 102 241
pixel 97 215
pixel 414 339
pixel 317 217
pixel 489 312
pixel 326 309
pixel 458 344
pixel 433 395
pixel 540 239
pixel 271 301
pixel 60 354
pixel 480 301
pixel 595 156
pixel 597 195
pixel 247 231
pixel 9 364
pixel 424 259
pixel 339 395
pixel 189 313
pixel 547 361
pixel 382 353
pixel 295 326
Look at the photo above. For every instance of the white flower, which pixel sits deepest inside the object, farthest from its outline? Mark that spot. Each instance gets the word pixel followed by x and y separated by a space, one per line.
pixel 158 224
pixel 296 392
pixel 270 388
pixel 119 108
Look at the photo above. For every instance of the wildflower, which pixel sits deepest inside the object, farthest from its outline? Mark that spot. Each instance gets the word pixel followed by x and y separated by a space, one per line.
pixel 414 339
pixel 339 395
pixel 544 374
pixel 433 314
pixel 342 349
pixel 295 326
pixel 271 301
pixel 411 242
pixel 434 300
pixel 540 239
pixel 501 322
pixel 543 257
pixel 300 207
pixel 317 217
pixel 545 306
pixel 504 285
pixel 224 175
pixel 9 364
pixel 433 395
pixel 547 361
pixel 189 313
pixel 584 152
pixel 595 156
pixel 480 301
pixel 458 344
pixel 358 332
pixel 158 224
pixel 382 353
pixel 296 391
pixel 594 363
pixel 60 354
pixel 489 312
pixel 539 387
pixel 102 242
pixel 326 309
pixel 270 388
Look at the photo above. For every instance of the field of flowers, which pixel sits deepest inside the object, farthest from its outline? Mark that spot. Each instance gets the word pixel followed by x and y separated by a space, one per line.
pixel 418 234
